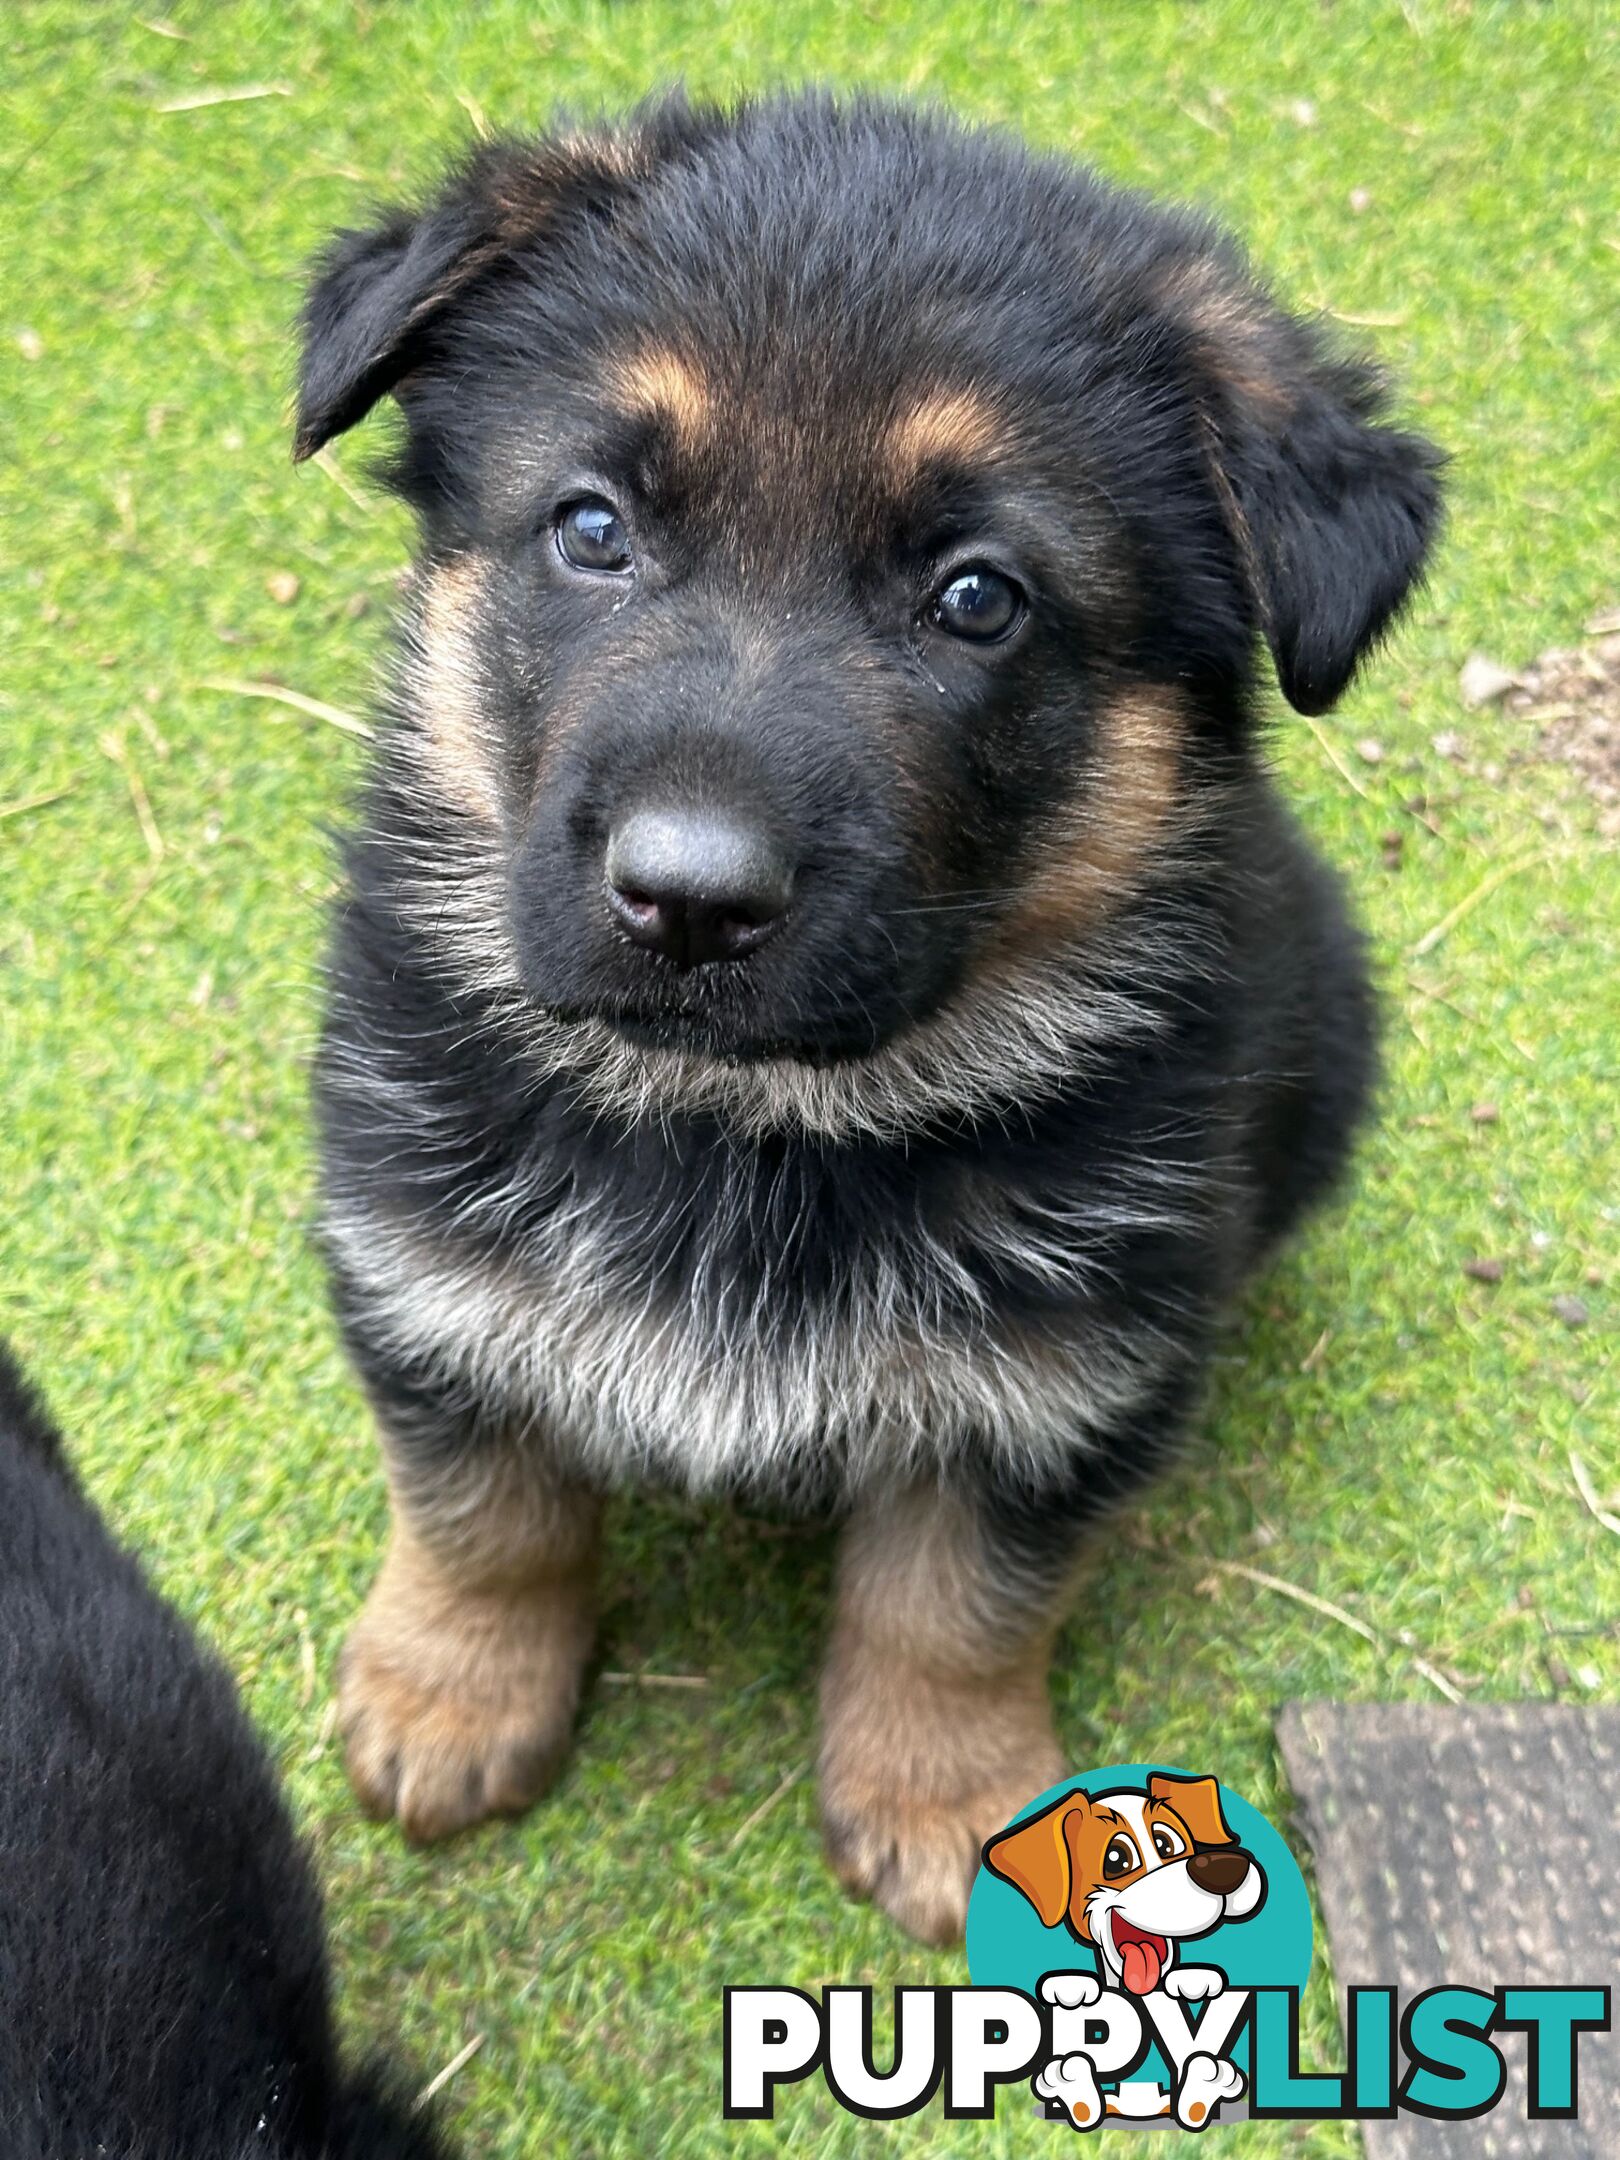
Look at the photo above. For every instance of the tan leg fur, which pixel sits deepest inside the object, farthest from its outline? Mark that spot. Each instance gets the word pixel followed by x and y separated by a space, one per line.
pixel 459 1681
pixel 936 1724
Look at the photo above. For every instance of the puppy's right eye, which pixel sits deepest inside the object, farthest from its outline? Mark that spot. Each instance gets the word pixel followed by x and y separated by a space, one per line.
pixel 591 535
pixel 979 605
pixel 1121 1858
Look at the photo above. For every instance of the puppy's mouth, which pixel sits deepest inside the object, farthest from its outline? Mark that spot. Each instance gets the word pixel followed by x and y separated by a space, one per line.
pixel 1143 1957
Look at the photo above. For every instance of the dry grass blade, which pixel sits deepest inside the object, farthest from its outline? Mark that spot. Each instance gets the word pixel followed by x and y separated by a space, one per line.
pixel 765 1806
pixel 333 715
pixel 25 803
pixel 1466 906
pixel 1588 1492
pixel 239 95
pixel 1436 1679
pixel 437 2083
pixel 339 478
pixel 1322 1605
pixel 1329 1611
pixel 113 748
pixel 1312 1360
pixel 1334 759
pixel 656 1679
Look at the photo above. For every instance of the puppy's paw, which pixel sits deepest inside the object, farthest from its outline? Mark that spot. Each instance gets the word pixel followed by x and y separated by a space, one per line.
pixel 1205 2082
pixel 1072 2083
pixel 1194 1983
pixel 916 1856
pixel 454 1712
pixel 1071 1990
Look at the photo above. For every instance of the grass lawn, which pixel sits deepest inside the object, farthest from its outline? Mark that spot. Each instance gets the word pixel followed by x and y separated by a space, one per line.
pixel 1387 1433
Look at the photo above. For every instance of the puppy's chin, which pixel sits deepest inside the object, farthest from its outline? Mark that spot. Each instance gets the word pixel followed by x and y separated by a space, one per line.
pixel 717 1040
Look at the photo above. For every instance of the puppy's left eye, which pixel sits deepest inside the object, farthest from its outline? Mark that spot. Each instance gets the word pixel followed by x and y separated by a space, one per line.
pixel 1166 1844
pixel 1121 1858
pixel 978 604
pixel 591 535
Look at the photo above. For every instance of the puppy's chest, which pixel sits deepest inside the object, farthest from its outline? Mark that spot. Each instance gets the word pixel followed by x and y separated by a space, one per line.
pixel 767 1335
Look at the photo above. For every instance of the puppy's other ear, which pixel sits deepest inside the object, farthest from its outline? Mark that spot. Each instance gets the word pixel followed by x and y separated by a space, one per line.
pixel 1197 1800
pixel 1332 511
pixel 377 294
pixel 372 296
pixel 1034 1857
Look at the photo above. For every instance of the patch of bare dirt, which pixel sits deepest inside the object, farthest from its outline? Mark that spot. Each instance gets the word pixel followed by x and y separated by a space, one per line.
pixel 1571 696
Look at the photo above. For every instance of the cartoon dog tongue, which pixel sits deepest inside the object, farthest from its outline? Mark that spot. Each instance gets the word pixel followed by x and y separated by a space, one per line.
pixel 1143 1957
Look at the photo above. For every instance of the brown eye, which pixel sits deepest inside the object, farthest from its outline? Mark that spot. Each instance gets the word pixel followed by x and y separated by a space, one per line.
pixel 1121 1858
pixel 979 605
pixel 1166 1844
pixel 591 535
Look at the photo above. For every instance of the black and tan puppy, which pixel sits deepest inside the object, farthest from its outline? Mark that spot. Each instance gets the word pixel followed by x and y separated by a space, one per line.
pixel 163 1982
pixel 828 1003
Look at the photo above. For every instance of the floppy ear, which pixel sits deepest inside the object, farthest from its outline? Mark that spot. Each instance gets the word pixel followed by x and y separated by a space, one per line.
pixel 1034 1857
pixel 377 294
pixel 372 298
pixel 1331 511
pixel 1197 1800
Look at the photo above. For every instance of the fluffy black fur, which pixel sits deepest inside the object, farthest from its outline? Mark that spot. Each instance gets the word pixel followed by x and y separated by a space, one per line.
pixel 163 1983
pixel 536 1134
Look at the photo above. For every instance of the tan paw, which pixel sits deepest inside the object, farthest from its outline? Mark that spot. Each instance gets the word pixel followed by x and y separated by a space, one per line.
pixel 917 1858
pixel 454 1712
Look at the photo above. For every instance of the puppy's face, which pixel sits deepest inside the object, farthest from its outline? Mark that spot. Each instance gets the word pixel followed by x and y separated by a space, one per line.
pixel 845 542
pixel 1133 1873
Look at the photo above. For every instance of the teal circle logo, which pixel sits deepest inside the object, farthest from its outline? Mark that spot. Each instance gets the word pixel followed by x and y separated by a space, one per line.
pixel 1130 1900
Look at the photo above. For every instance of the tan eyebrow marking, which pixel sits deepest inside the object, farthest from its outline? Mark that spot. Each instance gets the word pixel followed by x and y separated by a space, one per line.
pixel 960 425
pixel 658 380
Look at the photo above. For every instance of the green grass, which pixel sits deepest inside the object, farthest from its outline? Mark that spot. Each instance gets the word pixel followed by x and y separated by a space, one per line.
pixel 1385 1433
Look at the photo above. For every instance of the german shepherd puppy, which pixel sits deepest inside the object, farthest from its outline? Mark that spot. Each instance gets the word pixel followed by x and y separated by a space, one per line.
pixel 163 1982
pixel 828 1003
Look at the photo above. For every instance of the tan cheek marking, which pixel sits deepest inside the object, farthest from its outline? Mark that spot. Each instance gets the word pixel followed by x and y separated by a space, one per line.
pixel 657 380
pixel 1095 847
pixel 958 426
pixel 453 736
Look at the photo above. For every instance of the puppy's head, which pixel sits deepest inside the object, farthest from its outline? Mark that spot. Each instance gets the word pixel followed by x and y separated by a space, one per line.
pixel 846 539
pixel 1132 1873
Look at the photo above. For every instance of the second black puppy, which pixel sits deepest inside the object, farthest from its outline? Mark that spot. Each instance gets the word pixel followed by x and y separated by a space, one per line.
pixel 828 1001
pixel 163 1982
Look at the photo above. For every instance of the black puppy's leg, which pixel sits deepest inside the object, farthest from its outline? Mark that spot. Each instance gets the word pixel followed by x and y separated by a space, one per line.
pixel 936 1722
pixel 460 1679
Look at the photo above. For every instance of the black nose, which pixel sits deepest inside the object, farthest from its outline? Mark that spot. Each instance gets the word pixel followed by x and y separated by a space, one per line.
pixel 1220 1873
pixel 696 885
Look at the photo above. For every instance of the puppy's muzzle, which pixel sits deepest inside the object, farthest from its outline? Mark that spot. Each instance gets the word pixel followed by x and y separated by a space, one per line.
pixel 696 885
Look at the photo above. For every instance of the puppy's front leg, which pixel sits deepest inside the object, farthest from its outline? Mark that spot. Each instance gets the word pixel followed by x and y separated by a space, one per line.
pixel 459 1681
pixel 936 1724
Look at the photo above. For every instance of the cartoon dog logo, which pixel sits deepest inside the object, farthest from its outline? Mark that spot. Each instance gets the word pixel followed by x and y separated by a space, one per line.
pixel 1134 1874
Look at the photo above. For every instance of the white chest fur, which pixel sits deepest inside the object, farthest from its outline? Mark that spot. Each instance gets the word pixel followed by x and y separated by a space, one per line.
pixel 715 1389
